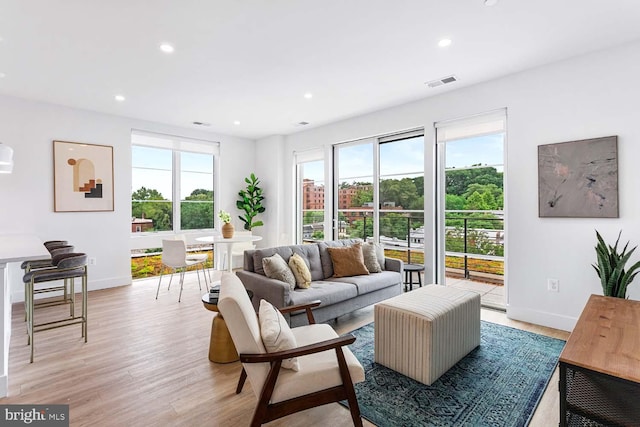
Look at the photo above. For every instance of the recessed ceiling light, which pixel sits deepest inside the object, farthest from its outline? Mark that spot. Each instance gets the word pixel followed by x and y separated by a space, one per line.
pixel 308 95
pixel 2 75
pixel 166 48
pixel 119 98
pixel 444 42
pixel 236 122
pixel 490 2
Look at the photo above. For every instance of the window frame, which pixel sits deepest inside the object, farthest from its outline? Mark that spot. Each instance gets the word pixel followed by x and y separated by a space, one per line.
pixel 301 158
pixel 178 145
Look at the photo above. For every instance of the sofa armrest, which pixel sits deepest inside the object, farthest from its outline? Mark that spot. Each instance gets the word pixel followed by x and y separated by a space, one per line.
pixel 394 264
pixel 272 290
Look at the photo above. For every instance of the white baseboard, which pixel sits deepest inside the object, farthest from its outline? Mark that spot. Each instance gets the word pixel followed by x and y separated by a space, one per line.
pixel 537 317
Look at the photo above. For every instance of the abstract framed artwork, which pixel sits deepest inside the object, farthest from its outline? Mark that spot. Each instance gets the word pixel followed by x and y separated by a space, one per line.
pixel 579 178
pixel 83 177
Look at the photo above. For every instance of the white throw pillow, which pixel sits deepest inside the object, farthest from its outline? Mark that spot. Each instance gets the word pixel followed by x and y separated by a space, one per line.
pixel 276 334
pixel 275 267
pixel 300 270
pixel 371 258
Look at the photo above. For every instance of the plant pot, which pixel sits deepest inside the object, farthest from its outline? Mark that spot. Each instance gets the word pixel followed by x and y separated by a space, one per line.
pixel 227 230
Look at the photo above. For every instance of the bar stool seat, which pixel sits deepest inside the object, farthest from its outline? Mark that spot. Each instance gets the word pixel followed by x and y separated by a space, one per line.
pixel 409 269
pixel 56 247
pixel 67 266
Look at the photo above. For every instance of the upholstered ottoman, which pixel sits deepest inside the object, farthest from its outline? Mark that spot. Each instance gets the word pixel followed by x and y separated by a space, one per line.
pixel 423 333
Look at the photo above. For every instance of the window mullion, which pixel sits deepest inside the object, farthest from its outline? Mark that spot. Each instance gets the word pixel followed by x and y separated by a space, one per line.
pixel 176 191
pixel 376 191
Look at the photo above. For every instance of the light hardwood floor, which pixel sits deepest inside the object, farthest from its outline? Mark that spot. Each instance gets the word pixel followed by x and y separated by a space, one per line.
pixel 146 364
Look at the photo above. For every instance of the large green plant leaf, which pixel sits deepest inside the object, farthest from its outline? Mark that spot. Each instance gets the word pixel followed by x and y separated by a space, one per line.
pixel 611 267
pixel 250 201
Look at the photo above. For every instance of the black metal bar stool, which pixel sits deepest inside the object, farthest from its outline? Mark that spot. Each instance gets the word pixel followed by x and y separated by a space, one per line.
pixel 409 269
pixel 56 247
pixel 51 245
pixel 67 266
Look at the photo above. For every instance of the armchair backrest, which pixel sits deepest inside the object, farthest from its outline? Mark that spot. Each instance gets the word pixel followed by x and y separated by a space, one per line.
pixel 242 321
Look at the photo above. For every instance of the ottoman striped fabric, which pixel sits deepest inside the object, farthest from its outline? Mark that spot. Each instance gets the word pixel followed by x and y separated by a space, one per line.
pixel 423 333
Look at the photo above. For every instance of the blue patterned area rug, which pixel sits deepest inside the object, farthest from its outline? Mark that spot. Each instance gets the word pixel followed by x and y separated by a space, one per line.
pixel 497 384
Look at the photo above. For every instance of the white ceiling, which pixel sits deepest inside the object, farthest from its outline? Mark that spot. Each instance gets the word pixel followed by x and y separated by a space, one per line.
pixel 253 60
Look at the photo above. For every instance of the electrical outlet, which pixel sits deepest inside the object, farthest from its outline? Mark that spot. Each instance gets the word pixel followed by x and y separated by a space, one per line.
pixel 553 285
pixel 92 261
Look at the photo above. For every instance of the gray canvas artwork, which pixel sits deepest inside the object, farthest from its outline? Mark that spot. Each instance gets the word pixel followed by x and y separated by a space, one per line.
pixel 579 178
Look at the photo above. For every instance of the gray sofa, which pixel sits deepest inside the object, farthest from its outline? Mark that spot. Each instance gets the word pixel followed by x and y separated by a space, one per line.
pixel 338 296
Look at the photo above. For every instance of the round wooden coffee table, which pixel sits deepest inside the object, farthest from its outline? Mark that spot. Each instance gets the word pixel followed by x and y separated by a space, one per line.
pixel 221 348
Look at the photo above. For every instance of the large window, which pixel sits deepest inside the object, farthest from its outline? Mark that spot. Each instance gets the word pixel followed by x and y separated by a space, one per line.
pixel 402 196
pixel 196 191
pixel 379 193
pixel 354 190
pixel 470 214
pixel 172 185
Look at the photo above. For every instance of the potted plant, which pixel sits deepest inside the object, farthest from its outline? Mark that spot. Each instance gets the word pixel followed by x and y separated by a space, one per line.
pixel 250 202
pixel 610 267
pixel 227 227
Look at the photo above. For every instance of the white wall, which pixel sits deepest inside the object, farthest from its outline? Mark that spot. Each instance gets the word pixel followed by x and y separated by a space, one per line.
pixel 26 195
pixel 585 97
pixel 273 172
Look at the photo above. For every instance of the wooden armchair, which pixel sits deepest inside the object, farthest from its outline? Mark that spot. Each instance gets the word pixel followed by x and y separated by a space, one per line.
pixel 327 371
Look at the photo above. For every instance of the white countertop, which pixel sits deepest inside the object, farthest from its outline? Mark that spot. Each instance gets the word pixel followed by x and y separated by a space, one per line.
pixel 18 247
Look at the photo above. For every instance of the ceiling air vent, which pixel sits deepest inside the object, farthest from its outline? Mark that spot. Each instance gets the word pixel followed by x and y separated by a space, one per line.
pixel 201 124
pixel 442 81
pixel 303 123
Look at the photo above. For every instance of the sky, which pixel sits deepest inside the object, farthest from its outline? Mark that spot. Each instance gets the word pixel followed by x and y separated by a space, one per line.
pixel 405 158
pixel 152 169
pixel 398 159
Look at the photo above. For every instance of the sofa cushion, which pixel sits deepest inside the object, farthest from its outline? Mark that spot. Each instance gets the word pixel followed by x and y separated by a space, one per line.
pixel 348 261
pixel 284 251
pixel 370 256
pixel 379 248
pixel 327 292
pixel 275 267
pixel 300 270
pixel 276 333
pixel 325 258
pixel 311 254
pixel 372 282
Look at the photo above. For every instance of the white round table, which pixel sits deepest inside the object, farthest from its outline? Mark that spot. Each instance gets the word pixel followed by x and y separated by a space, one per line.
pixel 228 243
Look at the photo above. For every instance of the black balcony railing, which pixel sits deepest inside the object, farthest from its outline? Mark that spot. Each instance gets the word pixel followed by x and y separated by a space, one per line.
pixel 474 240
pixel 478 237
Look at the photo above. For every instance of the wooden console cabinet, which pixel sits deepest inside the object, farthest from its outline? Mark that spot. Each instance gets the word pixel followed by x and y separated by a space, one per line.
pixel 600 365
